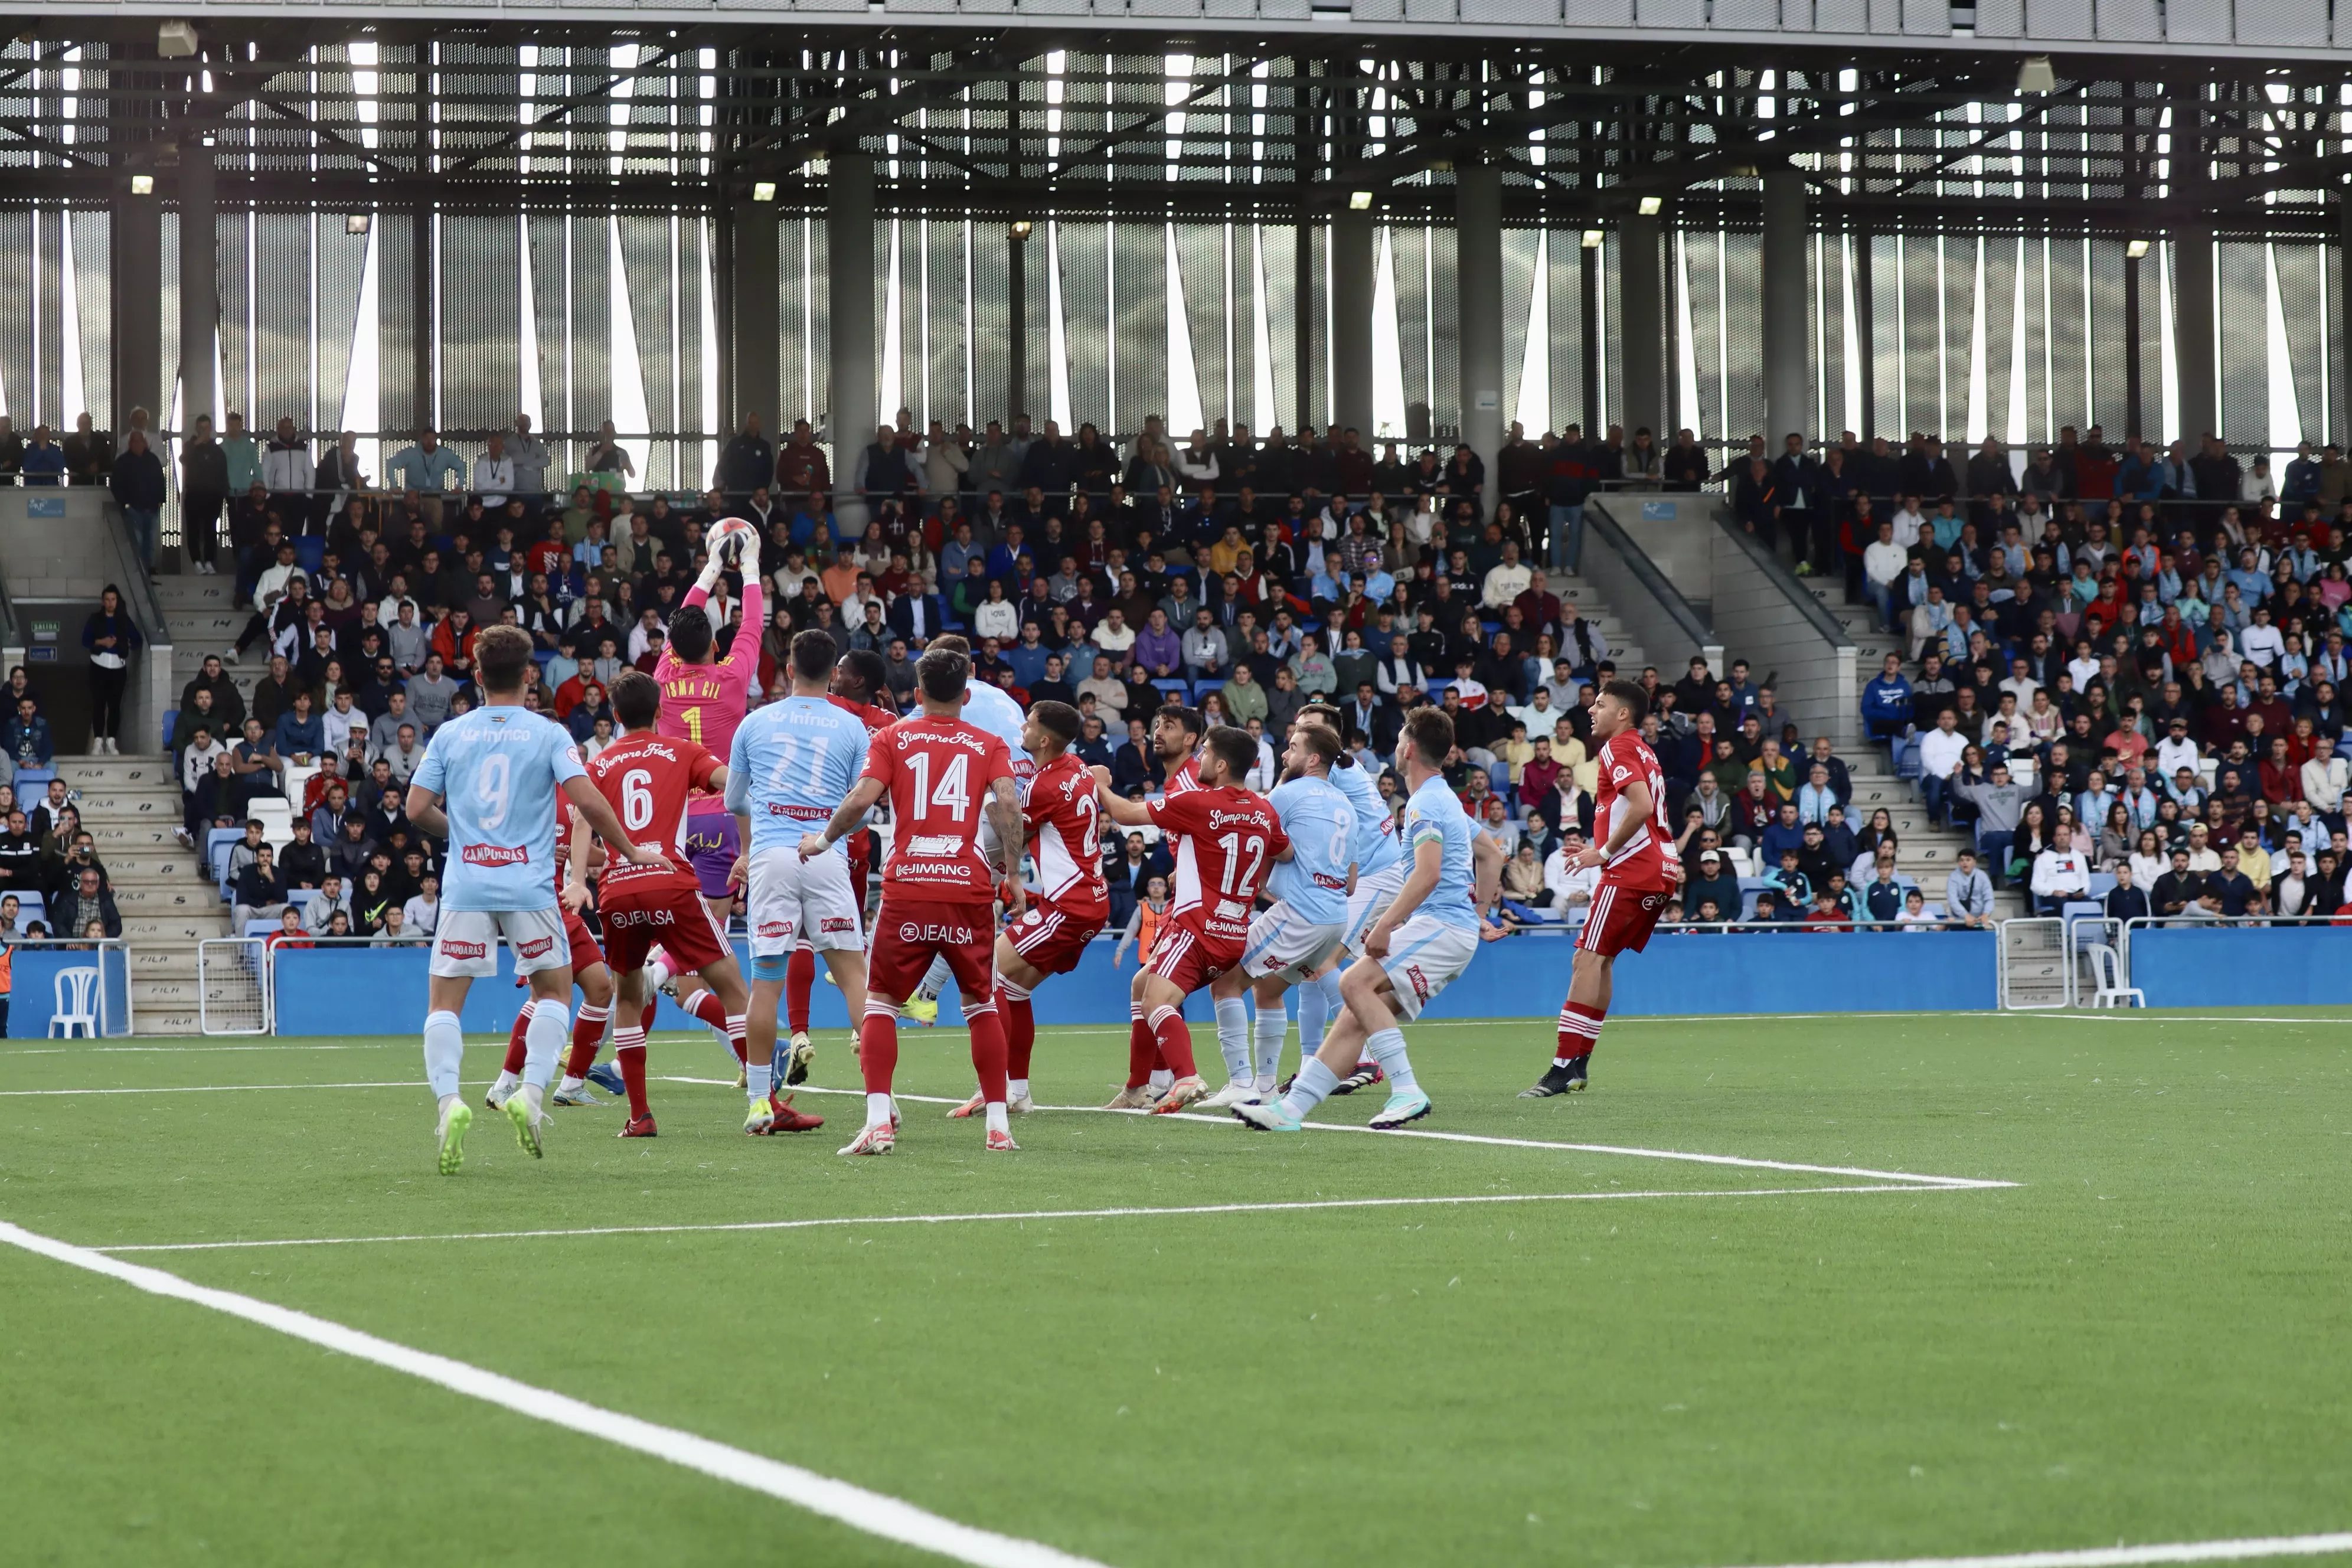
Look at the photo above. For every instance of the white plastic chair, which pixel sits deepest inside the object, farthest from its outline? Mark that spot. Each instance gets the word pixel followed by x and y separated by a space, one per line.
pixel 76 1003
pixel 2107 977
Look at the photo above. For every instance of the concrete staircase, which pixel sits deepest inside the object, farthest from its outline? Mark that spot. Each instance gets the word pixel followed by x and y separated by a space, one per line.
pixel 1576 590
pixel 204 619
pixel 130 805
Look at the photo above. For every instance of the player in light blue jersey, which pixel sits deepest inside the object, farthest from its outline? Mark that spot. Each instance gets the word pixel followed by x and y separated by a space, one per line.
pixel 792 765
pixel 488 787
pixel 1380 868
pixel 992 709
pixel 1416 947
pixel 1293 938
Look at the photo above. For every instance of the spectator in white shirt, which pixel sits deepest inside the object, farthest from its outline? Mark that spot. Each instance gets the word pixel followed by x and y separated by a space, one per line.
pixel 2261 643
pixel 2176 751
pixel 1940 749
pixel 2324 777
pixel 422 914
pixel 1506 579
pixel 1883 563
pixel 494 474
pixel 1572 888
pixel 2060 873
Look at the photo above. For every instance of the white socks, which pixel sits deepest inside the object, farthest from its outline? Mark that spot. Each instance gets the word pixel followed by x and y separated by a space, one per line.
pixel 545 1041
pixel 757 1079
pixel 1387 1047
pixel 996 1118
pixel 878 1110
pixel 1271 1027
pixel 935 981
pixel 1161 1078
pixel 1313 1087
pixel 444 1053
pixel 1233 1037
pixel 1016 1088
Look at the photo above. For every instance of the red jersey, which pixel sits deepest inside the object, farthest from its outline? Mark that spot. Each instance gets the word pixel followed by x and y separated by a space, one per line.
pixel 1228 840
pixel 1065 832
pixel 649 780
pixel 940 774
pixel 1641 863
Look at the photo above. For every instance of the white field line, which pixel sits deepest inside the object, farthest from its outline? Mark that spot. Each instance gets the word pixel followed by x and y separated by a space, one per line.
pixel 2128 1556
pixel 1017 1217
pixel 1907 1177
pixel 1685 1156
pixel 873 1512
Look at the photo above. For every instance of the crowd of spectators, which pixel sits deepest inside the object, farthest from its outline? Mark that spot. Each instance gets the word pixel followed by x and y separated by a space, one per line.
pixel 2121 668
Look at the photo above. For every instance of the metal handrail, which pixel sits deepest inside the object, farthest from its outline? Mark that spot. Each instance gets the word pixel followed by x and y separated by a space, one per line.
pixel 1773 570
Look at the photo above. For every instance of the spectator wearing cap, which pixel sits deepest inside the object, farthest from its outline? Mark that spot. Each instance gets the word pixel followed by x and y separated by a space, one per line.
pixel 1968 891
pixel 1712 879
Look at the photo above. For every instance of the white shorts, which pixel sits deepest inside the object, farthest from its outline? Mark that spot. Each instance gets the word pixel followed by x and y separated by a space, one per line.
pixel 1426 956
pixel 466 945
pixel 794 902
pixel 1282 944
pixel 1371 897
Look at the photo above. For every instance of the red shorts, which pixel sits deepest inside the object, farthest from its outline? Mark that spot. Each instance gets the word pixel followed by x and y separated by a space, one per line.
pixel 1189 959
pixel 909 932
pixel 669 914
pixel 1621 919
pixel 1052 941
pixel 585 953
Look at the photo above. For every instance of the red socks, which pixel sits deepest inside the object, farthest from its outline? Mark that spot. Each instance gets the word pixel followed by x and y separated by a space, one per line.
pixel 515 1050
pixel 1175 1040
pixel 1580 1031
pixel 988 1050
pixel 629 1054
pixel 705 1007
pixel 800 979
pixel 1141 1051
pixel 587 1034
pixel 877 1049
pixel 1020 1027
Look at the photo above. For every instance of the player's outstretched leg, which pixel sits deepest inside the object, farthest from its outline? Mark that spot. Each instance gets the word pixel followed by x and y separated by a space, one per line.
pixel 444 1051
pixel 510 1075
pixel 587 1035
pixel 923 1006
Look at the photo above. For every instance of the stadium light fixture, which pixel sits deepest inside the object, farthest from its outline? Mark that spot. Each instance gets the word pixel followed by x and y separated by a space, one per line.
pixel 1651 206
pixel 356 223
pixel 763 190
pixel 1021 230
pixel 2136 249
pixel 142 185
pixel 176 41
pixel 2035 75
pixel 1593 238
pixel 1359 201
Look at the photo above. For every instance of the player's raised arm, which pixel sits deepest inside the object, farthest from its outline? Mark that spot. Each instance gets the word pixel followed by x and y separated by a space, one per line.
pixel 1012 833
pixel 1119 809
pixel 598 812
pixel 1487 855
pixel 845 819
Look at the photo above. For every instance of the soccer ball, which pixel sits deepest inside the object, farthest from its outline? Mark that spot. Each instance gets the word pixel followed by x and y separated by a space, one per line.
pixel 732 536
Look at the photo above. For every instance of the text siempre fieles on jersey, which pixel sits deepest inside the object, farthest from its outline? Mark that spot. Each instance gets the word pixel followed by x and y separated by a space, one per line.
pixel 649 781
pixel 1065 830
pixel 1641 863
pixel 940 774
pixel 1229 839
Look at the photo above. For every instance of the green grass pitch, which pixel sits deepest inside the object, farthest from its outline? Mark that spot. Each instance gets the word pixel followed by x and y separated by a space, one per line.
pixel 1647 1362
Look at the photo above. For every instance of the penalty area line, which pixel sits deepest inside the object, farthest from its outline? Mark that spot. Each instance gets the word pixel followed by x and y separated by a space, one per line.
pixel 1737 1162
pixel 2231 1551
pixel 875 1513
pixel 1299 1206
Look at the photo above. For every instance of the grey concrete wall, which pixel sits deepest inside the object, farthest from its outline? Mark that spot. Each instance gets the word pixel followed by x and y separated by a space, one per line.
pixel 70 560
pixel 1756 620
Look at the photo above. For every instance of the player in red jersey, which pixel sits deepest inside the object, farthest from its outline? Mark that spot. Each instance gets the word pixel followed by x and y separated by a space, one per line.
pixel 942 774
pixel 1176 732
pixel 1639 874
pixel 1071 899
pixel 649 779
pixel 589 971
pixel 857 679
pixel 1225 839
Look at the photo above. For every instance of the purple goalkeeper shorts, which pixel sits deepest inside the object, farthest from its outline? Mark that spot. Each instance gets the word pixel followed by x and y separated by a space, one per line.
pixel 711 846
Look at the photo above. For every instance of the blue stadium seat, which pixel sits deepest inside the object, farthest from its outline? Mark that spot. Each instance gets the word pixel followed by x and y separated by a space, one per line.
pixel 309 552
pixel 33 780
pixel 171 722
